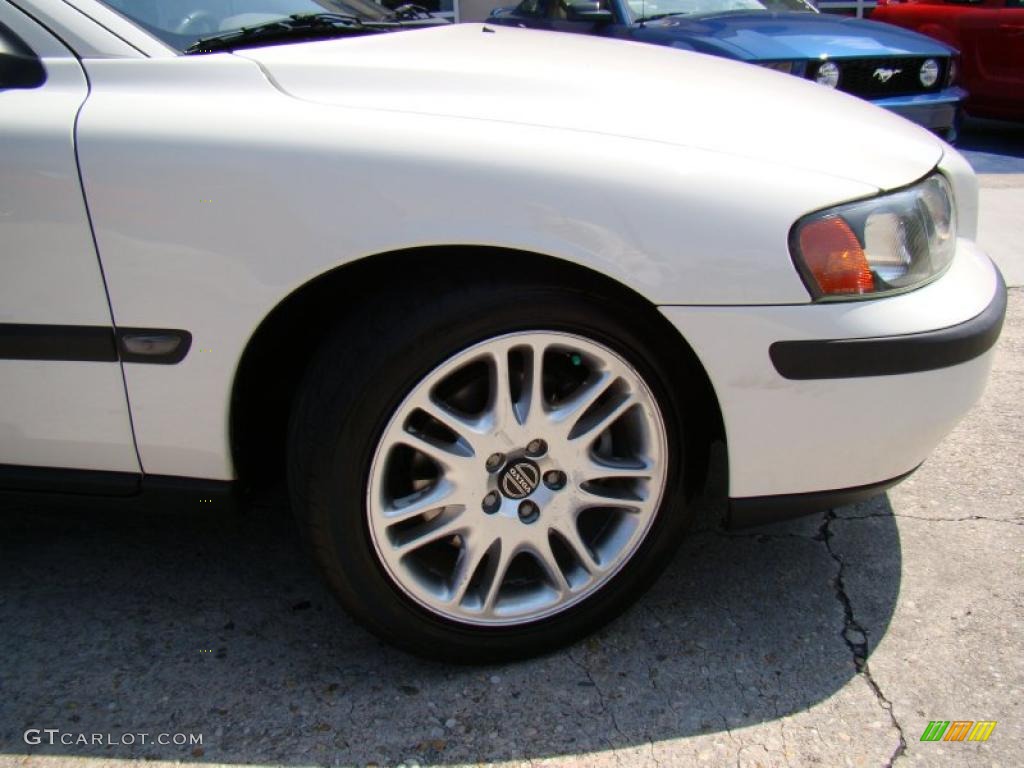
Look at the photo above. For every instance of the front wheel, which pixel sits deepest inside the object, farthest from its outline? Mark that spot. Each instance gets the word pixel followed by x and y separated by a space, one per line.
pixel 493 473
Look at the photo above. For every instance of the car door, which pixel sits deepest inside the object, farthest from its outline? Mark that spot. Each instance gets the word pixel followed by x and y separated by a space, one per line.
pixel 999 28
pixel 64 402
pixel 990 34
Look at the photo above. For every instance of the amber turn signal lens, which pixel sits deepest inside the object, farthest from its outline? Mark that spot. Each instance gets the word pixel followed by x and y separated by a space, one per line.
pixel 834 257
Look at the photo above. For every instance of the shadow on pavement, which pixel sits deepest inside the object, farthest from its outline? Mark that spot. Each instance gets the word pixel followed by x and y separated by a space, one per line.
pixel 993 146
pixel 125 623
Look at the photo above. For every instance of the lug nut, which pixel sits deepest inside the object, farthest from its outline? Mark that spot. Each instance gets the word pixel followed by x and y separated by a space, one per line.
pixel 528 511
pixel 491 502
pixel 536 448
pixel 494 461
pixel 554 479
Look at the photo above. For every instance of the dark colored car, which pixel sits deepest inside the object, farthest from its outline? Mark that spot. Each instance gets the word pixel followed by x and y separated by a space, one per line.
pixel 903 71
pixel 990 36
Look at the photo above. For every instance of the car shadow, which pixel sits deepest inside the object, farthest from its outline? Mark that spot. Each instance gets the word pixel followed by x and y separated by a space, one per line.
pixel 213 623
pixel 992 146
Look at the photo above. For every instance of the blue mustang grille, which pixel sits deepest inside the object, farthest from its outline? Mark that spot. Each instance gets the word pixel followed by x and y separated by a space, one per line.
pixel 881 77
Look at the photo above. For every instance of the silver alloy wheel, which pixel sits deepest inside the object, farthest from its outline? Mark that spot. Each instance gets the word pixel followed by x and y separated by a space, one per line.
pixel 498 496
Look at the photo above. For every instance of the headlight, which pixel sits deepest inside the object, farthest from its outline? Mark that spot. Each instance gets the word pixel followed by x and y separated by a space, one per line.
pixel 886 244
pixel 929 73
pixel 827 74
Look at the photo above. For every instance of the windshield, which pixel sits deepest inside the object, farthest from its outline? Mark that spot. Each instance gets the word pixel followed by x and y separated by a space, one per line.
pixel 180 23
pixel 652 9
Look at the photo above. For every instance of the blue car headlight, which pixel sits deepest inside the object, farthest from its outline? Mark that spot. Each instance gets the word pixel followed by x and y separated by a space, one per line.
pixel 887 244
pixel 929 73
pixel 827 74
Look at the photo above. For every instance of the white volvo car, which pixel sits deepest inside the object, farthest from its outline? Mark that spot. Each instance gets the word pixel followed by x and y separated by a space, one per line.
pixel 483 295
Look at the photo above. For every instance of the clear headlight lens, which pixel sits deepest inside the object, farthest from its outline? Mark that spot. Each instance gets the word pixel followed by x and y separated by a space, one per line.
pixel 929 73
pixel 827 74
pixel 954 70
pixel 886 244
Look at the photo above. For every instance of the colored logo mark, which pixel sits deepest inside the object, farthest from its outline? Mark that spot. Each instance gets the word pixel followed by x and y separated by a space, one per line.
pixel 958 730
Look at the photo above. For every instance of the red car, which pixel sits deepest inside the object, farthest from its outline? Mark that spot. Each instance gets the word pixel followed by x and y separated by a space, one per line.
pixel 990 36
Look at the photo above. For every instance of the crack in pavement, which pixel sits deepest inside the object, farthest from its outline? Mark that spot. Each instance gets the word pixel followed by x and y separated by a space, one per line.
pixel 855 636
pixel 969 518
pixel 785 742
pixel 600 700
pixel 654 757
pixel 763 536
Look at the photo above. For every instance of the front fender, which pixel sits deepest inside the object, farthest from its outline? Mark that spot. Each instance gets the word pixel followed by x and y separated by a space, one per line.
pixel 211 205
pixel 942 34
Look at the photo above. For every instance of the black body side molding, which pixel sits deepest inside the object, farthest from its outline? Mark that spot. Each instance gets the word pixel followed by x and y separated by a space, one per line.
pixel 890 355
pixel 86 343
pixel 93 343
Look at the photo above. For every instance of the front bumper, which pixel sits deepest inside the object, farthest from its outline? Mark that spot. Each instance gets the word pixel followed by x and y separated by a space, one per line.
pixel 935 111
pixel 861 394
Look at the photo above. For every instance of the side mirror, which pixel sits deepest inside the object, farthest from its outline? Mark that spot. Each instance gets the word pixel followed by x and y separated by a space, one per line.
pixel 19 67
pixel 589 11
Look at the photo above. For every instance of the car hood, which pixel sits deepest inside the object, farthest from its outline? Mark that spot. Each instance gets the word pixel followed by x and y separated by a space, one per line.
pixel 637 91
pixel 761 35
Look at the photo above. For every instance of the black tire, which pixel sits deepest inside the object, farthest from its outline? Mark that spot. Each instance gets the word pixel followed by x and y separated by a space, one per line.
pixel 361 374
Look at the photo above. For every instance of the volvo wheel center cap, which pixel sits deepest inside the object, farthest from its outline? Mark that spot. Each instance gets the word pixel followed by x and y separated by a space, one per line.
pixel 519 479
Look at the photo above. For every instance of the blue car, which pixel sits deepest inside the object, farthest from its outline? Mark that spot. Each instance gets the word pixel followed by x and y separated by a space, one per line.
pixel 900 70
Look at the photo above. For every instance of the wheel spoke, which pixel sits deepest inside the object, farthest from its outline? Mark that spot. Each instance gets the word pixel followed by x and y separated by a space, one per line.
pixel 592 497
pixel 503 411
pixel 495 576
pixel 535 372
pixel 596 470
pixel 444 455
pixel 627 492
pixel 442 527
pixel 469 560
pixel 436 497
pixel 462 429
pixel 545 556
pixel 594 428
pixel 569 412
pixel 570 534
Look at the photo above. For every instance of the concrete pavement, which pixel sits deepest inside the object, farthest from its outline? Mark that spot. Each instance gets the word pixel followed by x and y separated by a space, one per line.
pixel 1001 222
pixel 996 151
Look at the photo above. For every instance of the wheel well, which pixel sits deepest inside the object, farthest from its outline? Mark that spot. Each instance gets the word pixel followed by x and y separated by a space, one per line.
pixel 275 359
